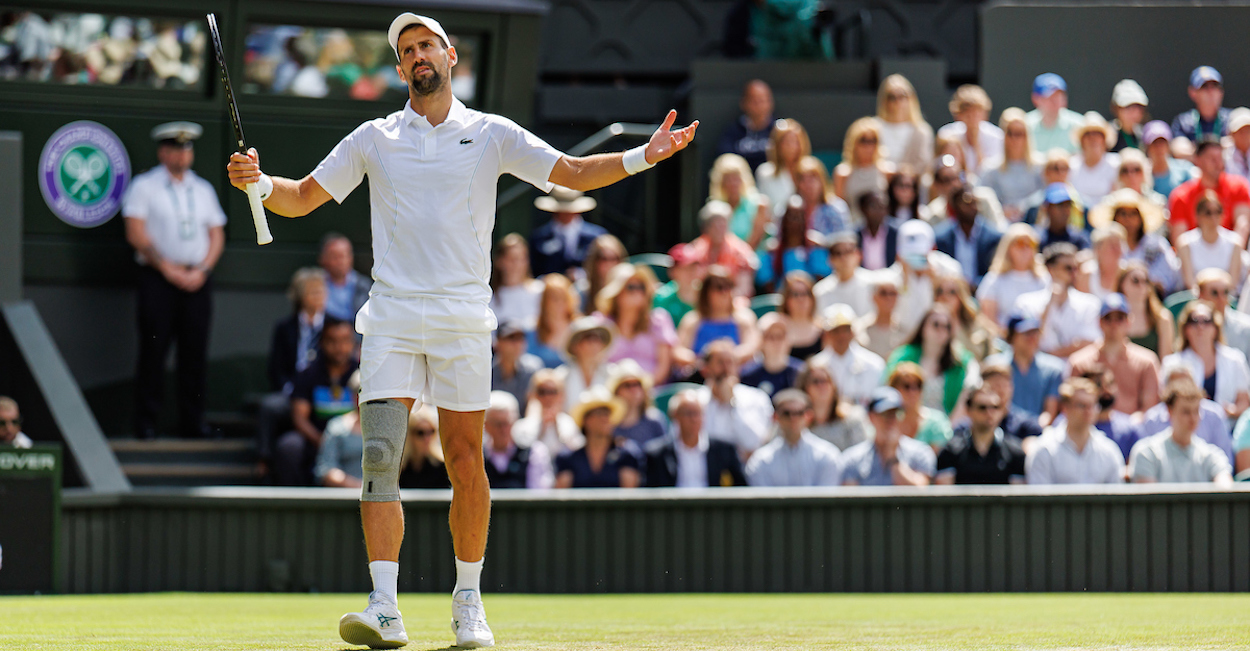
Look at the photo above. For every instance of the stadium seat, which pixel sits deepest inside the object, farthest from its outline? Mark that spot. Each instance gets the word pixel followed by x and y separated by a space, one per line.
pixel 662 394
pixel 659 263
pixel 1177 301
pixel 765 303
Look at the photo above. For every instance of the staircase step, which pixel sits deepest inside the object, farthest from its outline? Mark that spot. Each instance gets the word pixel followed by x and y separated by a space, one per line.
pixel 191 474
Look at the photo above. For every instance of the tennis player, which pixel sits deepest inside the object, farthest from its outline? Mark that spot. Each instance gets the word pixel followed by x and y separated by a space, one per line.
pixel 433 168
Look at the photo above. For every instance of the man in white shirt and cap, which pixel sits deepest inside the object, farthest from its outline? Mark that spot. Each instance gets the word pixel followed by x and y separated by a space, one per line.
pixel 433 171
pixel 855 369
pixel 177 228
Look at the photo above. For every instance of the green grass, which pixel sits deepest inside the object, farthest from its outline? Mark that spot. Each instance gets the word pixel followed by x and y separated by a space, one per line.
pixel 237 621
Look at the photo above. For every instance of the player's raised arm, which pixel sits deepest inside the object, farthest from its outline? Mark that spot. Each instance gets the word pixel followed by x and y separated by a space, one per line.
pixel 592 172
pixel 286 197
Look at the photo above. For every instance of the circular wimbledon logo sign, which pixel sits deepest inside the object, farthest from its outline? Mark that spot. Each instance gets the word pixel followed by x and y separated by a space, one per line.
pixel 83 172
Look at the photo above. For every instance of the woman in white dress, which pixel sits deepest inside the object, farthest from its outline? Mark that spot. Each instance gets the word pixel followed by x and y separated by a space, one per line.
pixel 1221 370
pixel 776 178
pixel 515 292
pixel 1015 270
pixel 907 140
pixel 1209 245
pixel 863 168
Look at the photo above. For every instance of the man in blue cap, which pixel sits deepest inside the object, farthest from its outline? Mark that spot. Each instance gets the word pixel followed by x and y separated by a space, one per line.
pixel 1136 369
pixel 889 458
pixel 1054 221
pixel 1208 117
pixel 1052 122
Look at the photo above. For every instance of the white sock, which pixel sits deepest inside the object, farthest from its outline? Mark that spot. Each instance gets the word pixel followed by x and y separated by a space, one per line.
pixel 385 578
pixel 468 576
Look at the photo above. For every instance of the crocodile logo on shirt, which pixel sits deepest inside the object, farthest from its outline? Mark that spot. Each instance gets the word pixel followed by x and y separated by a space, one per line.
pixel 466 141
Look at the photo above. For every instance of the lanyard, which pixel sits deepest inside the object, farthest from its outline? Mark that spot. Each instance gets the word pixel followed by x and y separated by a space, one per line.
pixel 186 221
pixel 1217 127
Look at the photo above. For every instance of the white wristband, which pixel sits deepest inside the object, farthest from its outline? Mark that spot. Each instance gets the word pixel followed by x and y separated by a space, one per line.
pixel 635 160
pixel 265 185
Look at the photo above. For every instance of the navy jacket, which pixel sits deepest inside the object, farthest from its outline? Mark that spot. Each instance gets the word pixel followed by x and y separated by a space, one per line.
pixel 723 466
pixel 283 350
pixel 986 245
pixel 547 250
pixel 891 241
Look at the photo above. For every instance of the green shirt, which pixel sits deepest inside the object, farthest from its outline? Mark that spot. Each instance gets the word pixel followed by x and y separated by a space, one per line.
pixel 1056 137
pixel 666 299
pixel 935 427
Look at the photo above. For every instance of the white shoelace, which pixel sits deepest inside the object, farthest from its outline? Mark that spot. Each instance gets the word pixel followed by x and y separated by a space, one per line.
pixel 470 614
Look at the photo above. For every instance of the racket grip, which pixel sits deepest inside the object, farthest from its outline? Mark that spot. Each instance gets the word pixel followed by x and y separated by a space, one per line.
pixel 263 236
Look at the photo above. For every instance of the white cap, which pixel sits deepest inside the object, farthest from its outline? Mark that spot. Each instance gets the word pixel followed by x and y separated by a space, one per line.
pixel 1128 93
pixel 408 18
pixel 1238 118
pixel 915 237
pixel 181 132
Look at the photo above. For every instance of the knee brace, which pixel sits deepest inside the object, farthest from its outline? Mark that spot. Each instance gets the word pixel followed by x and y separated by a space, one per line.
pixel 384 425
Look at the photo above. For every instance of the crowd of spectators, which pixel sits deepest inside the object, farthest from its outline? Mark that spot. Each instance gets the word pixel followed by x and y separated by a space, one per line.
pixel 91 48
pixel 339 63
pixel 1052 299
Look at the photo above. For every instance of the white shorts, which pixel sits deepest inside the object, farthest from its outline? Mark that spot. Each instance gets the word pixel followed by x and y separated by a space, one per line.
pixel 432 350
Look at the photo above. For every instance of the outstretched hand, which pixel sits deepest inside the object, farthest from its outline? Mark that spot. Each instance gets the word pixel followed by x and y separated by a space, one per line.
pixel 664 143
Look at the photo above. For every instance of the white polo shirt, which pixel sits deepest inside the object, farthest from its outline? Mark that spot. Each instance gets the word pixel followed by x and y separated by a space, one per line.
pixel 432 196
pixel 1055 460
pixel 178 214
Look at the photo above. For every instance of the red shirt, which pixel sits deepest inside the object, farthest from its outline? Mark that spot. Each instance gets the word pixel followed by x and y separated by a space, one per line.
pixel 1232 190
pixel 736 255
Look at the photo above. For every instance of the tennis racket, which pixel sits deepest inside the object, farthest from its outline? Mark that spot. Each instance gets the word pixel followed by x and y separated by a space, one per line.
pixel 263 236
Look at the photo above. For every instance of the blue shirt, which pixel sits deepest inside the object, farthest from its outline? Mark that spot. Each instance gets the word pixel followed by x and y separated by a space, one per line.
pixel 1031 388
pixel 755 375
pixel 624 454
pixel 1178 172
pixel 340 299
pixel 966 249
pixel 861 464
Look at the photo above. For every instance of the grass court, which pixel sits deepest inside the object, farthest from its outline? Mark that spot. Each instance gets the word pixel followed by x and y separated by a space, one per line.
pixel 227 622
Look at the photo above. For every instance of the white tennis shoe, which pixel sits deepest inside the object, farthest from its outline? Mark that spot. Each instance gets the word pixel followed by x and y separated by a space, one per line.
pixel 379 626
pixel 468 621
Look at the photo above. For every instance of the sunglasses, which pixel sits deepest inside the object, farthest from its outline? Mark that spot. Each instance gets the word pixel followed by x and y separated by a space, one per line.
pixel 887 293
pixel 984 407
pixel 867 141
pixel 423 431
pixel 1131 170
pixel 940 325
pixel 1136 280
pixel 547 391
pixel 791 413
pixel 908 386
pixel 1115 317
pixel 1200 321
pixel 1213 212
pixel 896 97
pixel 1015 134
pixel 636 287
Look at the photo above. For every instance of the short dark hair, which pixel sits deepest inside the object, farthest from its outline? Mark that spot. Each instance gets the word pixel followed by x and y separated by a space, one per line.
pixel 333 236
pixel 978 391
pixel 334 322
pixel 996 369
pixel 1206 142
pixel 1053 252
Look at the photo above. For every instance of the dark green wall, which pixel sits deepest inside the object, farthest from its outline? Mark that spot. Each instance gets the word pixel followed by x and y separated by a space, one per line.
pixel 956 539
pixel 292 134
